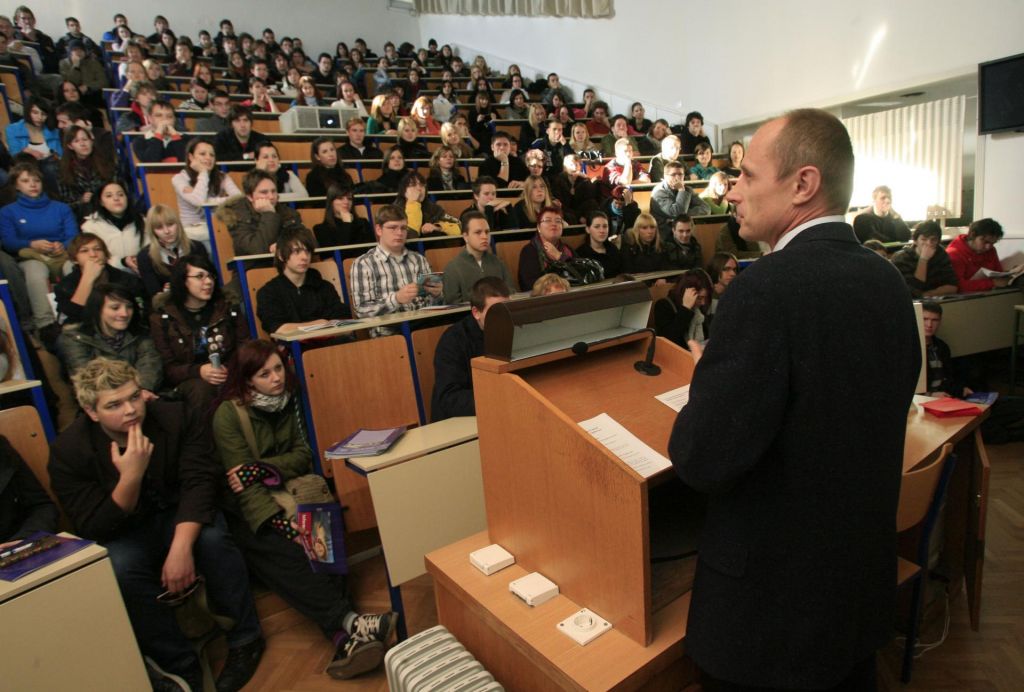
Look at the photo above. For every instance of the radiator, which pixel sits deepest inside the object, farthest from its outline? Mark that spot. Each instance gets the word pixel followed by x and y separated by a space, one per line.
pixel 435 661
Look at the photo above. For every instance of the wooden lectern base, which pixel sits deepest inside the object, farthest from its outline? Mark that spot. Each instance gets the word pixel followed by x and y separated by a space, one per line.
pixel 523 649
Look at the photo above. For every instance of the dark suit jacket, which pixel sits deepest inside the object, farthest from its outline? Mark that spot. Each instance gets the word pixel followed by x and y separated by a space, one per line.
pixel 795 429
pixel 182 472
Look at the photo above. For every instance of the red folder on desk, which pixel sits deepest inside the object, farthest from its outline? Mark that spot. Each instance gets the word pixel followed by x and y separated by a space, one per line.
pixel 950 407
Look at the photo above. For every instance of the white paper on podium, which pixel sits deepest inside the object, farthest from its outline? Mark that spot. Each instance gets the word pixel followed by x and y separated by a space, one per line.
pixel 625 445
pixel 675 399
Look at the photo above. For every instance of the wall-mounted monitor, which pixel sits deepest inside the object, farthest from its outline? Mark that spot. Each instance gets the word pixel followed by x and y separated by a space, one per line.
pixel 1001 95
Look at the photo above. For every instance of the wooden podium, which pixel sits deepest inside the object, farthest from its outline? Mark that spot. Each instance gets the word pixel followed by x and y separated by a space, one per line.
pixel 556 498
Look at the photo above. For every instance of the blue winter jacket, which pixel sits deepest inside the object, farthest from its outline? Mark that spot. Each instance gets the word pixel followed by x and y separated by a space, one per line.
pixel 18 139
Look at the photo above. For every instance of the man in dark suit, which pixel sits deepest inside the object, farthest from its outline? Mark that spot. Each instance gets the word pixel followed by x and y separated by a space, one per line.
pixel 795 432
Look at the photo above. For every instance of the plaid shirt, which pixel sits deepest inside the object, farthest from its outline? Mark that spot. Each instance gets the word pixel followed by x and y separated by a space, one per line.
pixel 376 278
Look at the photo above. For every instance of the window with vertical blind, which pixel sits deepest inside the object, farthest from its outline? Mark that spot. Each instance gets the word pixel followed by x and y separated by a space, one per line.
pixel 916 150
pixel 582 9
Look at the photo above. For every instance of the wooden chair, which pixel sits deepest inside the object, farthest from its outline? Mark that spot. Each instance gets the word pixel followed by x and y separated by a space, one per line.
pixel 225 248
pixel 363 384
pixel 23 428
pixel 707 236
pixel 921 495
pixel 508 252
pixel 424 343
pixel 439 257
pixel 643 199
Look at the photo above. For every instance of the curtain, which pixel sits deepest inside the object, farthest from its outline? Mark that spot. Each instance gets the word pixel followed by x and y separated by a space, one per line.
pixel 584 9
pixel 917 151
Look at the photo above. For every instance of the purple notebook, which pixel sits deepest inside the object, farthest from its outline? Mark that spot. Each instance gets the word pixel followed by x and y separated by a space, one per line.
pixel 66 546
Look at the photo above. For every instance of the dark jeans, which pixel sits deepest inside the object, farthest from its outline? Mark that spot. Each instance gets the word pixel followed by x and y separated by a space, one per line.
pixel 138 557
pixel 283 568
pixel 19 290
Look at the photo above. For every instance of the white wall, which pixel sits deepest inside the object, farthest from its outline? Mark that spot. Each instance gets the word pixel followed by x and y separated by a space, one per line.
pixel 320 23
pixel 746 60
pixel 1001 167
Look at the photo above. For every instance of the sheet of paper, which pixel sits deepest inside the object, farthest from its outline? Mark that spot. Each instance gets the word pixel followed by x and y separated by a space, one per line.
pixel 675 399
pixel 625 445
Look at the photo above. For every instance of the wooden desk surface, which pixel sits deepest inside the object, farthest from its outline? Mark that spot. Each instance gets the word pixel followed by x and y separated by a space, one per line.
pixel 86 556
pixel 419 442
pixel 18 385
pixel 927 433
pixel 609 661
pixel 389 320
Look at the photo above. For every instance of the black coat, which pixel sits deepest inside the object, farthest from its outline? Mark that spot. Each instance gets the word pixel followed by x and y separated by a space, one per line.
pixel 182 472
pixel 796 434
pixel 453 377
pixel 24 505
pixel 280 301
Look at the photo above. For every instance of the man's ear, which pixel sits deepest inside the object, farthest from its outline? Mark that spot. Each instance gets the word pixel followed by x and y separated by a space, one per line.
pixel 91 412
pixel 806 185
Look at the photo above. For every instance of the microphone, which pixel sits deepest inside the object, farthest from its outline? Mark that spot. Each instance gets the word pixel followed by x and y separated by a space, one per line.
pixel 580 348
pixel 647 366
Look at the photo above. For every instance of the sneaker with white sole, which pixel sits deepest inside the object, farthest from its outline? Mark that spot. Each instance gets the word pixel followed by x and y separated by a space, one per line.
pixel 355 656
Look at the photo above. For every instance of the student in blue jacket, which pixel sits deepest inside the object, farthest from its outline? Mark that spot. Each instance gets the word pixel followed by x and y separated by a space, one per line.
pixel 35 135
pixel 37 230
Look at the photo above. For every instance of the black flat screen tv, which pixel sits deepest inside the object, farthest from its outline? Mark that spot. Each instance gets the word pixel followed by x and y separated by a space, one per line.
pixel 1001 95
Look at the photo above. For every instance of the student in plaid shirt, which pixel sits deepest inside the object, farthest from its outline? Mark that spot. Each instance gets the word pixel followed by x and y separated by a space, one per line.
pixel 384 279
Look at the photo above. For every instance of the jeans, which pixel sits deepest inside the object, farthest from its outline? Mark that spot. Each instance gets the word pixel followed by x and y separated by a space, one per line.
pixel 283 568
pixel 19 290
pixel 138 556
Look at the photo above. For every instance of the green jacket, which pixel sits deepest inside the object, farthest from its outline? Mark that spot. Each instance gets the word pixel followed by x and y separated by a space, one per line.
pixel 76 348
pixel 280 443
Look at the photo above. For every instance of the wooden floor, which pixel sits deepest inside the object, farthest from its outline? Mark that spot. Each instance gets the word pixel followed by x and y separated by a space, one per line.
pixel 989 660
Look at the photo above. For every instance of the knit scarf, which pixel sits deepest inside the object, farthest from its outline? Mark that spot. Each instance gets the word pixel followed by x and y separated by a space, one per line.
pixel 268 403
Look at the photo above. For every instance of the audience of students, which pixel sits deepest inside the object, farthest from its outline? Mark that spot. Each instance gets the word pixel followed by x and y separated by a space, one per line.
pixel 138 476
pixel 112 327
pixel 118 223
pixel 111 274
pixel 196 331
pixel 924 263
pixel 388 277
pixel 679 317
pixel 341 224
pixel 474 262
pixel 166 243
pixel 199 183
pixel 92 266
pixel 880 221
pixel 972 254
pixel 258 433
pixel 597 247
pixel 298 296
pixel 643 249
pixel 681 247
pixel 423 217
pixel 289 187
pixel 672 197
pixel 37 230
pixel 545 249
pixel 328 169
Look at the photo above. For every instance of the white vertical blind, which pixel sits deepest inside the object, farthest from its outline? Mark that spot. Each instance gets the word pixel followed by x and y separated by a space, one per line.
pixel 585 9
pixel 916 150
